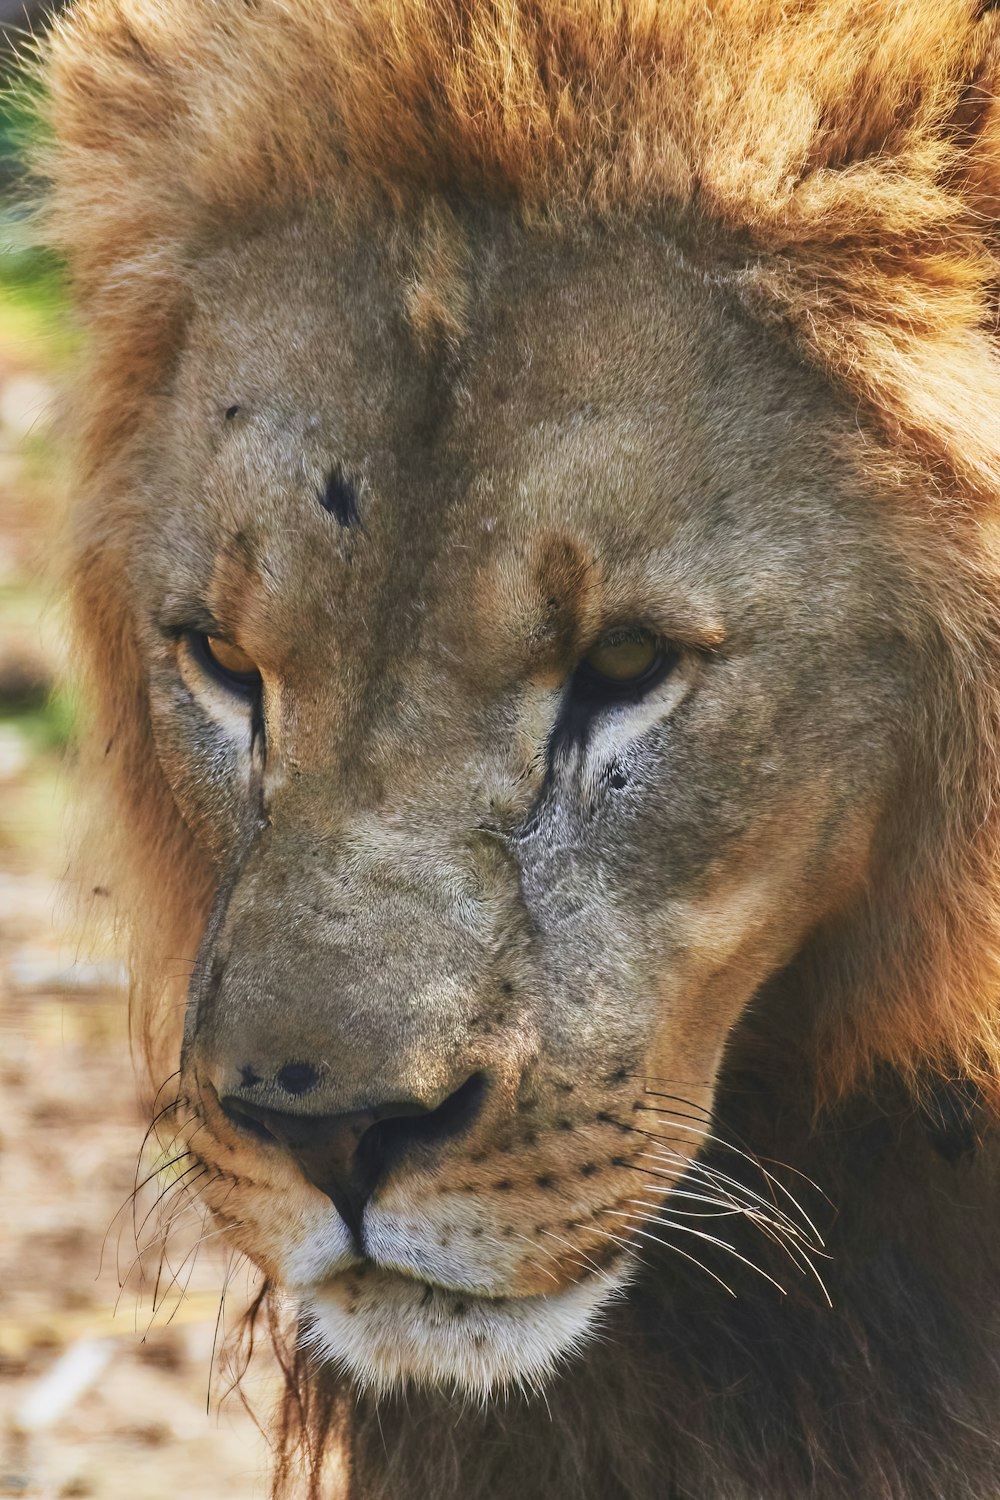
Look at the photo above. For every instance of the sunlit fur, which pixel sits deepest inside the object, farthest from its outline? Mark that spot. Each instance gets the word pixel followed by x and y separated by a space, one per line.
pixel 835 168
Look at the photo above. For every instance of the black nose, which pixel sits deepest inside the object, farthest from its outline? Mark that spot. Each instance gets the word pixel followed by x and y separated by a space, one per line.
pixel 345 1155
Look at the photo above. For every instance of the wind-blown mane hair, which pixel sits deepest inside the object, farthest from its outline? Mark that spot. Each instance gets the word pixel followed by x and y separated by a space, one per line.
pixel 836 163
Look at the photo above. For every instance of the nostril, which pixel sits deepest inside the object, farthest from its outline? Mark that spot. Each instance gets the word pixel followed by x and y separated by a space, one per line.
pixel 244 1121
pixel 456 1114
pixel 297 1078
pixel 415 1126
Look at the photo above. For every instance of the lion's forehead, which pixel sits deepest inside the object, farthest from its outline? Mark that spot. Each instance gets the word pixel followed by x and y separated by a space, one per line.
pixel 611 434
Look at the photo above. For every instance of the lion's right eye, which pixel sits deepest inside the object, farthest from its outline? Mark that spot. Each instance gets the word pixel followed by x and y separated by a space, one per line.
pixel 227 663
pixel 623 666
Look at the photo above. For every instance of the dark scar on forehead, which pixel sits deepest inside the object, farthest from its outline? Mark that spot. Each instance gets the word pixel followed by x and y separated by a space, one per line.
pixel 340 498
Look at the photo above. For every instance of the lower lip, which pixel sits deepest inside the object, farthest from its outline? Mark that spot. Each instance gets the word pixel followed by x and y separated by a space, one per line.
pixel 394 1273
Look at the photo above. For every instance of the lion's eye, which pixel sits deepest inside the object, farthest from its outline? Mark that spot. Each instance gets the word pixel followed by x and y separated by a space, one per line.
pixel 624 656
pixel 229 664
pixel 625 662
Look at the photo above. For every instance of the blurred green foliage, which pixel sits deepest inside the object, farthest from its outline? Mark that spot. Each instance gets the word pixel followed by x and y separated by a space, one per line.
pixel 35 335
pixel 48 727
pixel 31 278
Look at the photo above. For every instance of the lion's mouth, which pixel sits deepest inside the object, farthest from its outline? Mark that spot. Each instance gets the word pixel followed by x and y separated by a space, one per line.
pixel 427 1287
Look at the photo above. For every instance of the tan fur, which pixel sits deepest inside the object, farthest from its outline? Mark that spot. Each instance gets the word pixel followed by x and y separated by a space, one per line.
pixel 845 148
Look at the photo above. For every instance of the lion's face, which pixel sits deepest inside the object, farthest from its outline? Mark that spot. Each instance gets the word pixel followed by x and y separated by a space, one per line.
pixel 581 672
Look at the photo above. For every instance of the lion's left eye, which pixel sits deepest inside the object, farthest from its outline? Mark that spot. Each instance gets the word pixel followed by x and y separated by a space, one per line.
pixel 227 663
pixel 625 662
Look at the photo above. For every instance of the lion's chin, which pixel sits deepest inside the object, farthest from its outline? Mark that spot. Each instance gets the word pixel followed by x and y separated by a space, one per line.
pixel 386 1331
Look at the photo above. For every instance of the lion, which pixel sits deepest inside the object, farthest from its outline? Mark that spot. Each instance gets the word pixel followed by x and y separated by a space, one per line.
pixel 536 565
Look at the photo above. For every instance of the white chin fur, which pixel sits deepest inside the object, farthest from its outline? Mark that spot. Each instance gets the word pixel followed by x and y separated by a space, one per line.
pixel 386 1331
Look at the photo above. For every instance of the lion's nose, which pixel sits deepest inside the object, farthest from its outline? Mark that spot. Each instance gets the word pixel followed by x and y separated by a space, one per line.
pixel 345 1155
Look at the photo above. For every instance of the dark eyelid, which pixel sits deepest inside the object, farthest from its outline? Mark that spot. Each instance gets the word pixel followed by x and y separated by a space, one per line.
pixel 245 685
pixel 187 617
pixel 585 697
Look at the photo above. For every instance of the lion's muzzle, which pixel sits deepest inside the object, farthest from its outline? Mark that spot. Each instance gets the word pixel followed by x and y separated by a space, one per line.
pixel 345 1155
pixel 352 1024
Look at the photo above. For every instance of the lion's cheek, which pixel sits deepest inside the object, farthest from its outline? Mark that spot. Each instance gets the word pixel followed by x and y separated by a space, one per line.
pixel 747 922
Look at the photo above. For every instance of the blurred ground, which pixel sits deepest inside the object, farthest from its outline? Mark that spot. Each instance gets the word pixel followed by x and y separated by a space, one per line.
pixel 71 1125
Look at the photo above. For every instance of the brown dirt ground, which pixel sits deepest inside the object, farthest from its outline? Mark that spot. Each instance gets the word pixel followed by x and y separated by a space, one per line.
pixel 71 1125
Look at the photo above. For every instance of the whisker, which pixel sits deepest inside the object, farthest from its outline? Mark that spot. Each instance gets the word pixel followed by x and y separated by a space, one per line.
pixel 797 1238
pixel 136 1185
pixel 175 1188
pixel 543 1249
pixel 192 1256
pixel 581 1255
pixel 701 1118
pixel 753 1161
pixel 142 1254
pixel 734 1189
pixel 792 1245
pixel 710 1239
pixel 743 1149
pixel 790 1237
pixel 171 1187
pixel 674 1250
pixel 164 1258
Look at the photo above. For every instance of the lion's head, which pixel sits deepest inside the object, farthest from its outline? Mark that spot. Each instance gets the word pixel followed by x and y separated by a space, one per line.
pixel 530 741
pixel 534 548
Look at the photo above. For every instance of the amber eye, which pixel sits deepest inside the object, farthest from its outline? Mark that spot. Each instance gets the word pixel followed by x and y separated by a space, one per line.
pixel 624 656
pixel 227 663
pixel 625 664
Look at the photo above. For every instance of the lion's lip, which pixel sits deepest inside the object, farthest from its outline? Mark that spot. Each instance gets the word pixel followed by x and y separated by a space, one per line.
pixel 399 1275
pixel 395 1273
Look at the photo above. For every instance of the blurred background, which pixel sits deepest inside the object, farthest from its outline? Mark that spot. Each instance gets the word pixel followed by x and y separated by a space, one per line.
pixel 110 1381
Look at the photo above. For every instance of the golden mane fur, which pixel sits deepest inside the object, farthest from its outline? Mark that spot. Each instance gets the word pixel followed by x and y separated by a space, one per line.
pixel 836 161
pixel 846 154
